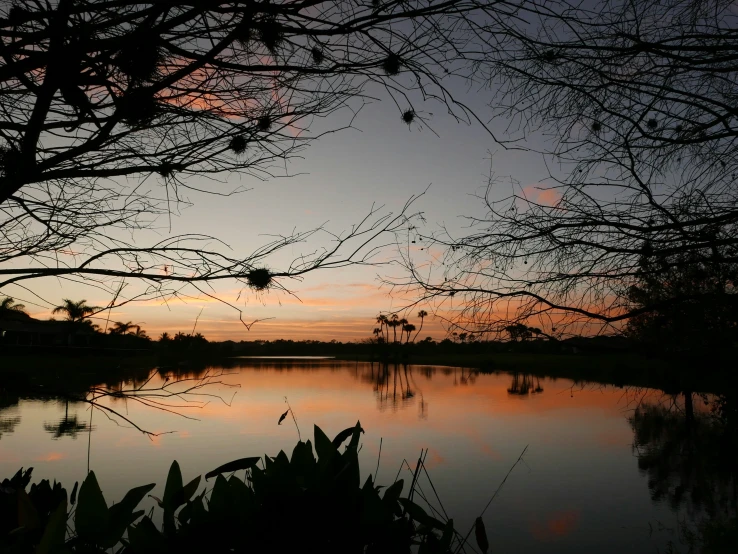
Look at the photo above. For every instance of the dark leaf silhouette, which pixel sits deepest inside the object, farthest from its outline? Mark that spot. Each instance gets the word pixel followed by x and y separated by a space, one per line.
pixel 343 435
pixel 91 517
pixel 73 497
pixel 235 465
pixel 481 534
pixel 281 418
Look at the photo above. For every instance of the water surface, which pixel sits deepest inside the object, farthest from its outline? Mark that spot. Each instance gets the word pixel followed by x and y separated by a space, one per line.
pixel 578 489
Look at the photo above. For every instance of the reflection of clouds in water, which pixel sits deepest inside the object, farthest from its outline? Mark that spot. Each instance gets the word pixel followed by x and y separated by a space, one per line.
pixel 491 452
pixel 50 457
pixel 557 525
pixel 8 424
pixel 434 459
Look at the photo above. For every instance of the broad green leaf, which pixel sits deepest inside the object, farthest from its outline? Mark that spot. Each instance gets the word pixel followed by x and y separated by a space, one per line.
pixel 242 496
pixel 235 465
pixel 173 486
pixel 185 513
pixel 447 536
pixel 121 514
pixel 373 510
pixel 323 446
pixel 55 531
pixel 302 461
pixel 355 436
pixel 268 465
pixel 145 538
pixel 348 477
pixel 419 514
pixel 341 437
pixel 393 492
pixel 368 484
pixel 219 497
pixel 282 461
pixel 185 493
pixel 73 498
pixel 481 535
pixel 27 515
pixel 91 518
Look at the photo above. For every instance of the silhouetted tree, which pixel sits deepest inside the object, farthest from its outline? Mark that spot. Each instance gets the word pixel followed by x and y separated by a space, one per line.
pixel 690 307
pixel 383 323
pixel 422 314
pixel 518 332
pixel 8 304
pixel 636 103
pixel 109 110
pixel 401 323
pixel 408 328
pixel 120 328
pixel 76 312
pixel 394 322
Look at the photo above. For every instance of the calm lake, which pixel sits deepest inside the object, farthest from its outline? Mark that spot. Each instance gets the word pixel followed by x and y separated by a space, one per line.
pixel 578 488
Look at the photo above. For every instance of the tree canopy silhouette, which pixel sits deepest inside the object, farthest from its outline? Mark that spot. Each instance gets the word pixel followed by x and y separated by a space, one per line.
pixel 9 304
pixel 632 106
pixel 691 307
pixel 109 109
pixel 76 311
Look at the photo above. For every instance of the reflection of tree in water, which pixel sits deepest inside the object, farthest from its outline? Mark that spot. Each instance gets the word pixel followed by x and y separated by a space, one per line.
pixel 524 384
pixel 690 459
pixel 8 424
pixel 395 386
pixel 67 426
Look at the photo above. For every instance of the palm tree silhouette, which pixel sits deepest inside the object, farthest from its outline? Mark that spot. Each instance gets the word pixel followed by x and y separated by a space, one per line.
pixel 120 328
pixel 140 333
pixel 401 324
pixel 383 321
pixel 75 311
pixel 393 322
pixel 408 328
pixel 8 304
pixel 421 314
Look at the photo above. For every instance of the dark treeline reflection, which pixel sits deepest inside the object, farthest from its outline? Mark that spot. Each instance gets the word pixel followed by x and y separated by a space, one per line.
pixel 688 456
pixel 524 385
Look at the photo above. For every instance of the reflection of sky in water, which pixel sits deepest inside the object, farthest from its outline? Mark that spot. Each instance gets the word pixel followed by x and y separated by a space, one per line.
pixel 578 490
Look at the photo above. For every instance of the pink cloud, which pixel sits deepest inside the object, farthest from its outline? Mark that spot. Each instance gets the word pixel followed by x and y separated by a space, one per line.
pixel 540 194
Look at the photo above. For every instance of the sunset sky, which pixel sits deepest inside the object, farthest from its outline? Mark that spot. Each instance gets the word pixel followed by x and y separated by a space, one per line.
pixel 382 161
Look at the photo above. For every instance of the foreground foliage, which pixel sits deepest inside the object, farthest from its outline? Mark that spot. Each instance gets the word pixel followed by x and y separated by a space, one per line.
pixel 291 504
